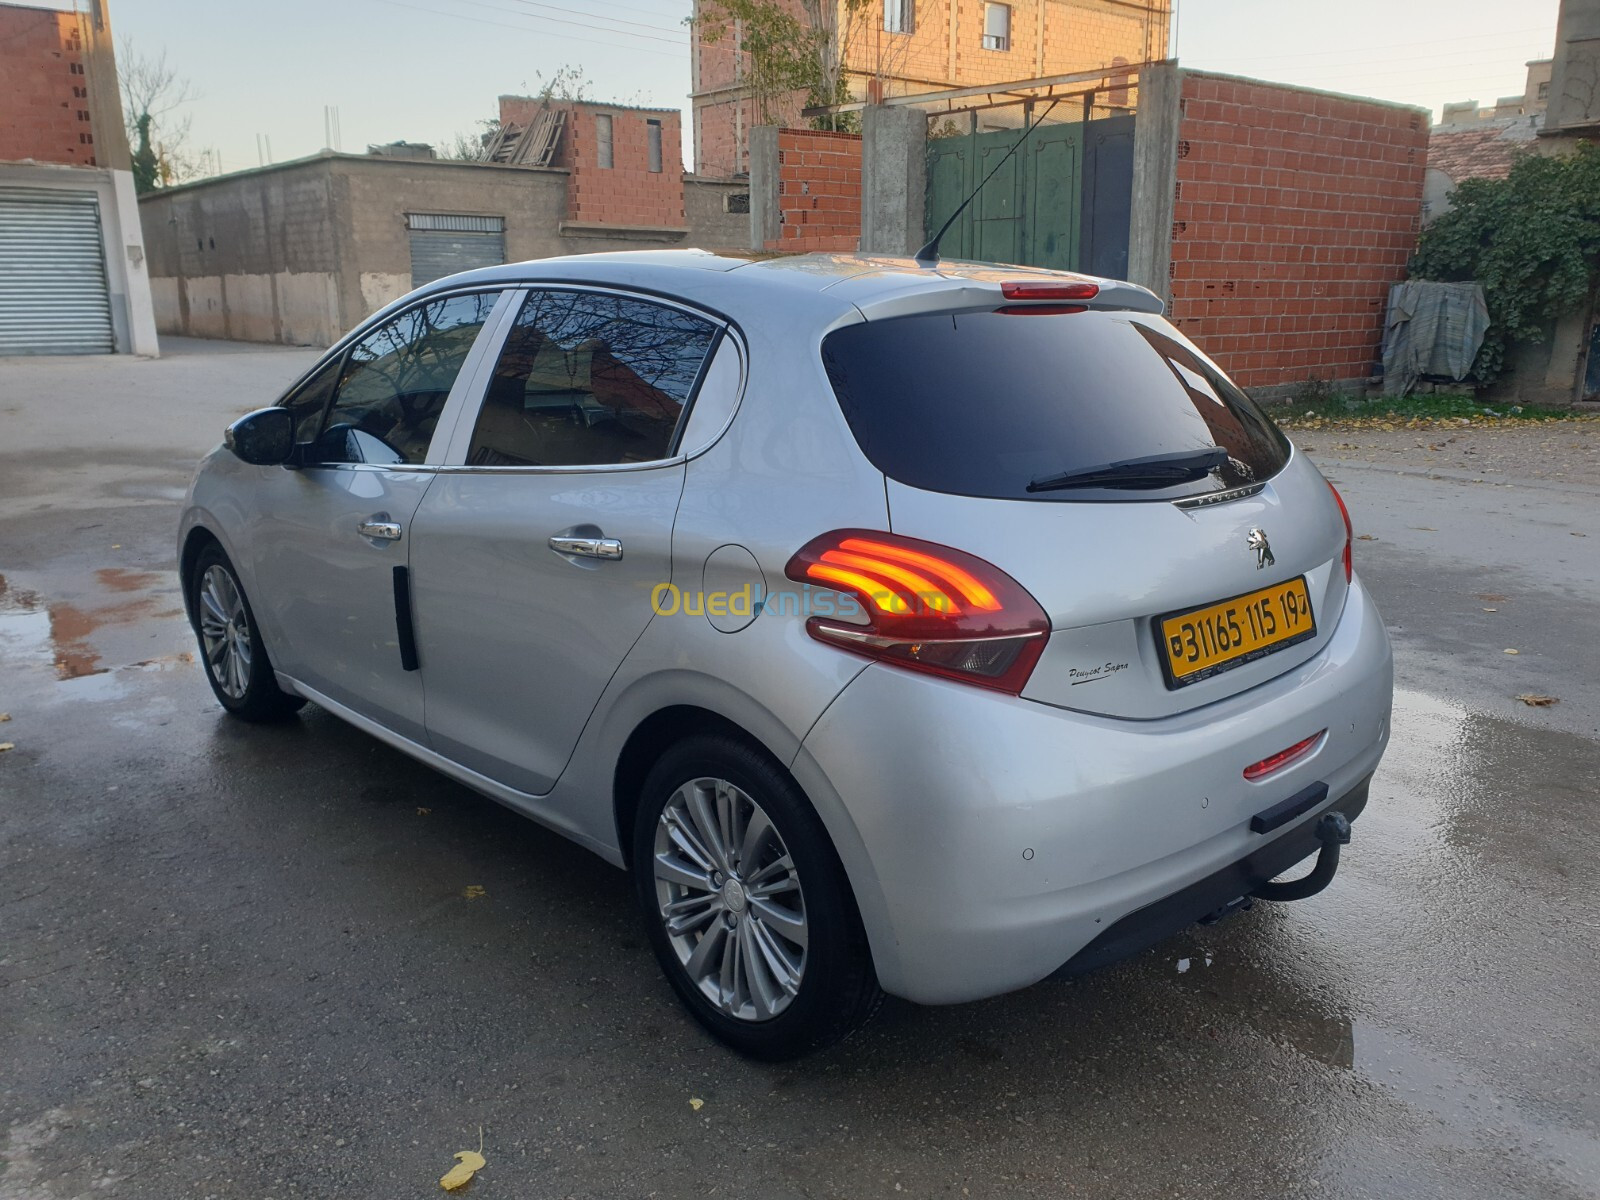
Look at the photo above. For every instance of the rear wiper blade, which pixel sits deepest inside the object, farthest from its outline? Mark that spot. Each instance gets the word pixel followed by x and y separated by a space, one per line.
pixel 1158 470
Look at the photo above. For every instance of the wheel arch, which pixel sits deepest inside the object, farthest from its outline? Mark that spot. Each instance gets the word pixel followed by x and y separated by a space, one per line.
pixel 650 739
pixel 194 544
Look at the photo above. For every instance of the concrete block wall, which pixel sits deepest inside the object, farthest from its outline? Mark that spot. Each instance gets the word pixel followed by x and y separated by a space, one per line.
pixel 302 251
pixel 1293 212
pixel 45 111
pixel 819 190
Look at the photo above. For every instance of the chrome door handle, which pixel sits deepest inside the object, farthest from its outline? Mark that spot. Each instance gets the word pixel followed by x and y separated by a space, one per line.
pixel 387 531
pixel 587 547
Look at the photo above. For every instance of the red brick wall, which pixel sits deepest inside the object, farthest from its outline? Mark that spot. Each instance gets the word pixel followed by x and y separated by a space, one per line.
pixel 819 190
pixel 1295 212
pixel 44 91
pixel 628 192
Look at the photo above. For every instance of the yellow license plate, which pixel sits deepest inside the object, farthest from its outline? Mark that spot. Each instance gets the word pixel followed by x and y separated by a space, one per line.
pixel 1203 641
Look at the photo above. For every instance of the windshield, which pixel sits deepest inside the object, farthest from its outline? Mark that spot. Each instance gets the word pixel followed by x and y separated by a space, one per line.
pixel 986 403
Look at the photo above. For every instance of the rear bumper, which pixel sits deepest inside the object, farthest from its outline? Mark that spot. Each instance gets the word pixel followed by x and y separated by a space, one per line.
pixel 1155 922
pixel 990 839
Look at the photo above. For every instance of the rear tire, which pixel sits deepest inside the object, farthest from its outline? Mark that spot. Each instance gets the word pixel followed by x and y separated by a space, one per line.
pixel 231 651
pixel 746 904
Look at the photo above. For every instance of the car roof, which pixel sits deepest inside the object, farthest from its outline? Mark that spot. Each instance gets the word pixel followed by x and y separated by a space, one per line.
pixel 883 283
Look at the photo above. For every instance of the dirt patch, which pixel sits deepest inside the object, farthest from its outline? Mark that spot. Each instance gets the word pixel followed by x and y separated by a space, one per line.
pixel 1559 451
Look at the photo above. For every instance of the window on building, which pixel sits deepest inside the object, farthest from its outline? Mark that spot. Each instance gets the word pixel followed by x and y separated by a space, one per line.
pixel 1544 90
pixel 588 379
pixel 899 16
pixel 602 139
pixel 654 128
pixel 997 26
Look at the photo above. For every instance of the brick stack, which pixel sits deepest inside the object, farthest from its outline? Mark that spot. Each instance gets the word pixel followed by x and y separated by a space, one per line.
pixel 44 92
pixel 1295 212
pixel 819 190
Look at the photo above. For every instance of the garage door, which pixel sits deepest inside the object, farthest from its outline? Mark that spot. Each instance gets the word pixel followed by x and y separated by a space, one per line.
pixel 444 243
pixel 53 295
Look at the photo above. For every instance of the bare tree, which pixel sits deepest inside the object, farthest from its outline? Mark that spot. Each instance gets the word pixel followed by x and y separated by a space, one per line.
pixel 153 94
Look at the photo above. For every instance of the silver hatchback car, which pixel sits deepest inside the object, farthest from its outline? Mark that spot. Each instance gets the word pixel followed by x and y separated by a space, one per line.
pixel 908 630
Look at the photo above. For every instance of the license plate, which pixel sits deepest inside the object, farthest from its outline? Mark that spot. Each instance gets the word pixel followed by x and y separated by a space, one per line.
pixel 1201 642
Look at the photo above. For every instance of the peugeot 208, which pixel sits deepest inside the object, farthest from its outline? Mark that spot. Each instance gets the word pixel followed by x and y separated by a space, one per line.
pixel 906 630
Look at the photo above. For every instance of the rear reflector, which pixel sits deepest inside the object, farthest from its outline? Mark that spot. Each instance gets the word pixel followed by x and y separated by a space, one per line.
pixel 1049 290
pixel 925 606
pixel 1283 758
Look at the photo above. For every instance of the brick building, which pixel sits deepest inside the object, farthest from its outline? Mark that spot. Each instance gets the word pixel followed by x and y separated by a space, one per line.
pixel 75 278
pixel 901 47
pixel 624 164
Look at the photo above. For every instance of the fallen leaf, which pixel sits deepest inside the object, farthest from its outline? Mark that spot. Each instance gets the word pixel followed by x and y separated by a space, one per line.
pixel 1425 528
pixel 1575 533
pixel 697 1104
pixel 1533 701
pixel 4 746
pixel 1513 652
pixel 4 717
pixel 468 1164
pixel 1491 610
pixel 474 892
pixel 422 812
pixel 1490 597
pixel 1365 537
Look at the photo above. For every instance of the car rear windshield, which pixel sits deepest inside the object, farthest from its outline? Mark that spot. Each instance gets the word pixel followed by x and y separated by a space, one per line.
pixel 985 403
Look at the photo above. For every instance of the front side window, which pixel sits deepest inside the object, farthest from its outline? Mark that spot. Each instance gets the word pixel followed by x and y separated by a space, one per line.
pixel 589 379
pixel 898 16
pixel 309 401
pixel 997 27
pixel 396 379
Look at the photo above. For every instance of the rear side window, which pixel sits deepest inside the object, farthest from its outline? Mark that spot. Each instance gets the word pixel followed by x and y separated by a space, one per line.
pixel 983 403
pixel 590 379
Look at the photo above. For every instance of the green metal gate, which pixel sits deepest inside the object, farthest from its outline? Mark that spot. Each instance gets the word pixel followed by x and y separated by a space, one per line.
pixel 1028 213
pixel 1061 201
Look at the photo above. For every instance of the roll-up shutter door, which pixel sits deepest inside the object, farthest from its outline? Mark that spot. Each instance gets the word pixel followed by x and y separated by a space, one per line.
pixel 444 243
pixel 53 294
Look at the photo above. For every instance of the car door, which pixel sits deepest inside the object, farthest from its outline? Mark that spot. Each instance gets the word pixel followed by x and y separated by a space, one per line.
pixel 330 537
pixel 537 547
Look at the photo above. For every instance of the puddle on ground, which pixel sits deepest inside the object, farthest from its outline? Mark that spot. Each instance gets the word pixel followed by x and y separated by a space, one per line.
pixel 61 635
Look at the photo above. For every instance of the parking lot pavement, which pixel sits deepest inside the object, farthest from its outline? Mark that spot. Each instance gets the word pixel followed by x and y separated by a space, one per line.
pixel 254 962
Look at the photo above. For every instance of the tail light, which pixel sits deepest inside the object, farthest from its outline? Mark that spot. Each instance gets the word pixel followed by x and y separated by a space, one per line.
pixel 927 607
pixel 1280 760
pixel 1349 534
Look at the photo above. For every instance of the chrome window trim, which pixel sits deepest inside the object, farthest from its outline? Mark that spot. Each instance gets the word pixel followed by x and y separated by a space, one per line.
pixel 454 459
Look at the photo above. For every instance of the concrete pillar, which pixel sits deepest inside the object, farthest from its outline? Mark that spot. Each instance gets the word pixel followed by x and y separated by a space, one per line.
pixel 1155 172
pixel 765 216
pixel 894 179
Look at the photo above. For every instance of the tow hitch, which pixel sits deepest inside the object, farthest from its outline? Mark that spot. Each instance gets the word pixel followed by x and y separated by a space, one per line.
pixel 1333 831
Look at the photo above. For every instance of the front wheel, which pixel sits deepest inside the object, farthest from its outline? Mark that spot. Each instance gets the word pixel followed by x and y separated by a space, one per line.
pixel 747 905
pixel 231 652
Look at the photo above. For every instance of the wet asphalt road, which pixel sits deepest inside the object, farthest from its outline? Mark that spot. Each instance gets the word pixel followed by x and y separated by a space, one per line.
pixel 243 962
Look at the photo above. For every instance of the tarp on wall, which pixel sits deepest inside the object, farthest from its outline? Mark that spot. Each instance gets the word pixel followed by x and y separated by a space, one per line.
pixel 1433 329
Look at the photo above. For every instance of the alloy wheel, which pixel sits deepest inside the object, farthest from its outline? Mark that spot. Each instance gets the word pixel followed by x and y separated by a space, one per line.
pixel 225 631
pixel 730 899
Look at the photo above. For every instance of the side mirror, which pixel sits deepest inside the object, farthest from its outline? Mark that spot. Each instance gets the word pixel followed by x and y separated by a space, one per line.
pixel 264 437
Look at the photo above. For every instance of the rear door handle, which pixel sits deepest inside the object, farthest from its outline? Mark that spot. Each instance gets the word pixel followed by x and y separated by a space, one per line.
pixel 587 547
pixel 385 531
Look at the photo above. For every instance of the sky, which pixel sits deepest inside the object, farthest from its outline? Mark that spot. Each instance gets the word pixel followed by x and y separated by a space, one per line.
pixel 424 70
